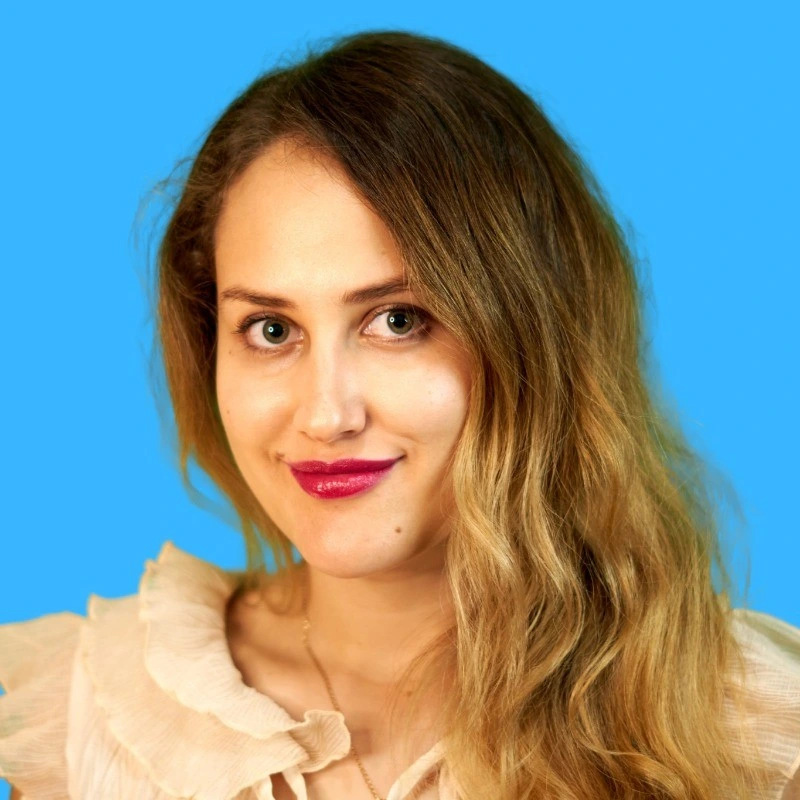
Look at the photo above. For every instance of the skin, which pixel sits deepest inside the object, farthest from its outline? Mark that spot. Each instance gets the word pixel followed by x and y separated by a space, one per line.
pixel 337 382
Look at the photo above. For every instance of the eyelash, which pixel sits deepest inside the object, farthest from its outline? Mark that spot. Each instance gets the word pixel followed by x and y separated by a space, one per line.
pixel 422 317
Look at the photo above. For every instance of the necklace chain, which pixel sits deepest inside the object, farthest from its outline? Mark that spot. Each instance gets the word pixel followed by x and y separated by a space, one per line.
pixel 306 628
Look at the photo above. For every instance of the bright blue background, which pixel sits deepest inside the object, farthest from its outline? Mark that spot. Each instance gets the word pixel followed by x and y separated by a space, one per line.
pixel 687 114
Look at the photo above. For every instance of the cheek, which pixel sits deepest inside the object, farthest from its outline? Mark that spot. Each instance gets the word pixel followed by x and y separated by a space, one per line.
pixel 246 406
pixel 426 403
pixel 430 405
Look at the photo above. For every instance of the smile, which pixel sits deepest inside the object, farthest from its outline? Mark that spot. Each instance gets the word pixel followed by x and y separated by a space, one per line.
pixel 329 487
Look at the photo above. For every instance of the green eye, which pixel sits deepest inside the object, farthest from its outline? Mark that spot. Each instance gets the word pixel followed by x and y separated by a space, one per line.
pixel 271 332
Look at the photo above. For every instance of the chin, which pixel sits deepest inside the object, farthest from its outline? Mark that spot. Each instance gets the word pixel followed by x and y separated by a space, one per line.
pixel 354 560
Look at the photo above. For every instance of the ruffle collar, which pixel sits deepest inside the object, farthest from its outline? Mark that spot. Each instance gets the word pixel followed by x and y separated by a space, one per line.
pixel 162 674
pixel 161 671
pixel 192 662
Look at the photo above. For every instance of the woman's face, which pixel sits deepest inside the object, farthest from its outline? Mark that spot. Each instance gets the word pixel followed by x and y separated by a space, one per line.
pixel 315 378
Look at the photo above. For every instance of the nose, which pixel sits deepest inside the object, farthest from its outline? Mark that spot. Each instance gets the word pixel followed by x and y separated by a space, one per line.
pixel 328 399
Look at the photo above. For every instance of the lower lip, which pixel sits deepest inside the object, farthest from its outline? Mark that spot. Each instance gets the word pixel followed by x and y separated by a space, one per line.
pixel 329 487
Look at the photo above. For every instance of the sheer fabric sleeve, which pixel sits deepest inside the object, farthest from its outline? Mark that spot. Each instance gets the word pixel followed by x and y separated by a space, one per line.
pixel 772 651
pixel 36 658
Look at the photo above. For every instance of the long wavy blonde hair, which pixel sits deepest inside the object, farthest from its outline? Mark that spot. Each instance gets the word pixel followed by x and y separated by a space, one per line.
pixel 592 652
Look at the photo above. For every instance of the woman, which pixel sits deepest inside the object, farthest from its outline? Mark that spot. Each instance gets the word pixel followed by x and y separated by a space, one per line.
pixel 386 253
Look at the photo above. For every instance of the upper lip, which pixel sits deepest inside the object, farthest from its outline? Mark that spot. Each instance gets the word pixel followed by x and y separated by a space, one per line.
pixel 342 466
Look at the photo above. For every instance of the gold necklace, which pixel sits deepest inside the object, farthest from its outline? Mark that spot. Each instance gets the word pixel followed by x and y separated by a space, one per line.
pixel 306 628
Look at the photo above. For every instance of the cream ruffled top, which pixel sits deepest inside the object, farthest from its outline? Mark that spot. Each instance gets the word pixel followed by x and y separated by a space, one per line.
pixel 141 700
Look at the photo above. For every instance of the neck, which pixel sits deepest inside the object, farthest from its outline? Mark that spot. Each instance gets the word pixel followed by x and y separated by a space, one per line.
pixel 371 627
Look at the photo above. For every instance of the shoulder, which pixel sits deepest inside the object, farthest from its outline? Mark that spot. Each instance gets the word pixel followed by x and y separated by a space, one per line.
pixel 36 663
pixel 768 639
pixel 53 672
pixel 770 648
pixel 141 698
pixel 36 646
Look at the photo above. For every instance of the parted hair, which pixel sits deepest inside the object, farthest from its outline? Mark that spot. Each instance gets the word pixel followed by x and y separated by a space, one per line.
pixel 592 652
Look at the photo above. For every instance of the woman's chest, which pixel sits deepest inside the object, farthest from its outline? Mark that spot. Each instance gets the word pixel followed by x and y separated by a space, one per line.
pixel 287 676
pixel 336 782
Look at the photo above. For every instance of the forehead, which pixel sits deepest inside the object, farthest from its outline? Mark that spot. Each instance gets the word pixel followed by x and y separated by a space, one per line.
pixel 293 219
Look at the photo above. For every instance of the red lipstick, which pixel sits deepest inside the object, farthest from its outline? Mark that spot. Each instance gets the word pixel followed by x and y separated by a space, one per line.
pixel 340 478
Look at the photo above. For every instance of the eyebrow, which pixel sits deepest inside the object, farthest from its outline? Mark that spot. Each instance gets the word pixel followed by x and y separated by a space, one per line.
pixel 353 297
